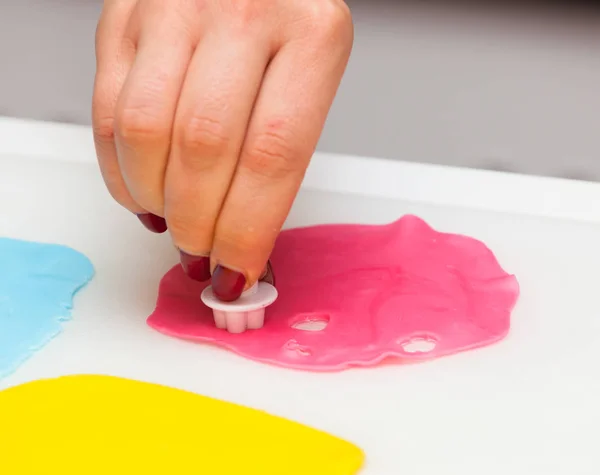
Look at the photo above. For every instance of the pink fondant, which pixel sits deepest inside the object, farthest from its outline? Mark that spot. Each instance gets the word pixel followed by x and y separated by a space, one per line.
pixel 380 289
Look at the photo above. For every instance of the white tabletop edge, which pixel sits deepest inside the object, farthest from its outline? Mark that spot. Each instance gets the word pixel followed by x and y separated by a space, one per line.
pixel 416 182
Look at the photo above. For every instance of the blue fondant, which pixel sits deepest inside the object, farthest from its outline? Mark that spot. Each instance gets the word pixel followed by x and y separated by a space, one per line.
pixel 37 285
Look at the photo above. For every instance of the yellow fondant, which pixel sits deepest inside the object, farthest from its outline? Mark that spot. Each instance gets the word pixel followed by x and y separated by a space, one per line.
pixel 105 425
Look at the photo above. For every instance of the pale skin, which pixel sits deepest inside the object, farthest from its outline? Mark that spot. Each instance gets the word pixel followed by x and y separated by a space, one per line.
pixel 206 113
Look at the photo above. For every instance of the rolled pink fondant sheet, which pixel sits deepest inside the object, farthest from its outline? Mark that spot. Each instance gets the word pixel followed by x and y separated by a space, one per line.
pixel 353 295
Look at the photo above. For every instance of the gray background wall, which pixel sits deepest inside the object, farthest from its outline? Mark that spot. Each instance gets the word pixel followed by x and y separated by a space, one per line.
pixel 502 88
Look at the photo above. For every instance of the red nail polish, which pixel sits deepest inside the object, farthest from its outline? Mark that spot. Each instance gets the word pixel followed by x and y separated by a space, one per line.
pixel 153 223
pixel 196 267
pixel 227 284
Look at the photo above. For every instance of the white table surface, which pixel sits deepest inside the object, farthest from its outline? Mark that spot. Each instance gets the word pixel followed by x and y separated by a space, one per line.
pixel 528 405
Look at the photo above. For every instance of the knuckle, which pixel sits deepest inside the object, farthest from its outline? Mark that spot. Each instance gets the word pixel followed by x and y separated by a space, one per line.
pixel 103 127
pixel 204 135
pixel 272 155
pixel 246 9
pixel 140 124
pixel 241 14
pixel 332 21
pixel 103 120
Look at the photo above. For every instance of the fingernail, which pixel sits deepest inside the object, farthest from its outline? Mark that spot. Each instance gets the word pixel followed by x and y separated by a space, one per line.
pixel 153 223
pixel 196 267
pixel 269 275
pixel 227 284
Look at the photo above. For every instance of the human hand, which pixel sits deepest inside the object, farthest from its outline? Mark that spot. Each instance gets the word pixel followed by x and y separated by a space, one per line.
pixel 207 112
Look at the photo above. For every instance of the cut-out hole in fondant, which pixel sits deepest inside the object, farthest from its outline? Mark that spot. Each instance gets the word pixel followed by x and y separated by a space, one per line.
pixel 311 323
pixel 295 347
pixel 419 345
pixel 303 352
